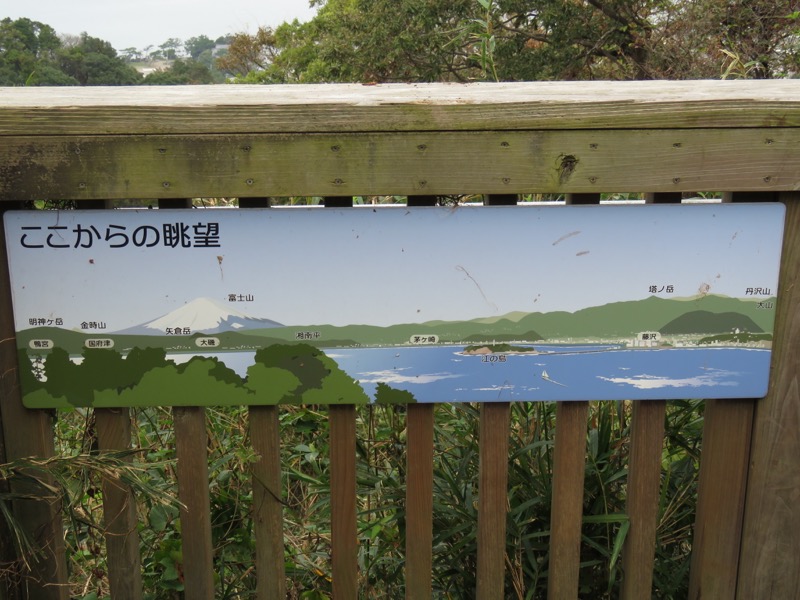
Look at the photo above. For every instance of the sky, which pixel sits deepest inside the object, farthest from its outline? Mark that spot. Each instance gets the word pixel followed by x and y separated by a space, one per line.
pixel 392 265
pixel 129 24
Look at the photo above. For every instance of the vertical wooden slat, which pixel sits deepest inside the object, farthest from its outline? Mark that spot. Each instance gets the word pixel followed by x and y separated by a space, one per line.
pixel 344 533
pixel 419 501
pixel 8 553
pixel 191 449
pixel 267 506
pixel 769 566
pixel 569 468
pixel 493 481
pixel 644 480
pixel 191 443
pixel 720 498
pixel 566 508
pixel 727 428
pixel 28 433
pixel 344 536
pixel 119 509
pixel 113 427
pixel 419 486
pixel 492 499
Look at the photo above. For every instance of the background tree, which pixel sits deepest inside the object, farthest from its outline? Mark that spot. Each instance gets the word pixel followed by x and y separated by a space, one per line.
pixel 27 54
pixel 195 46
pixel 171 48
pixel 249 52
pixel 95 62
pixel 514 40
pixel 181 72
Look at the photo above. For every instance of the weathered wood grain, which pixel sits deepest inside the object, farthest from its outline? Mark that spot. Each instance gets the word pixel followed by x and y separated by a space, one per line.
pixel 569 468
pixel 492 499
pixel 769 566
pixel 344 532
pixel 344 536
pixel 724 463
pixel 191 443
pixel 113 426
pixel 191 451
pixel 419 501
pixel 267 504
pixel 419 486
pixel 566 507
pixel 493 480
pixel 724 460
pixel 267 509
pixel 644 480
pixel 399 107
pixel 8 553
pixel 113 429
pixel 29 433
pixel 429 163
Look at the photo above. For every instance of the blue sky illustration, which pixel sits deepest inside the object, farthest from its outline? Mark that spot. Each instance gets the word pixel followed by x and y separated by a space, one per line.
pixel 379 266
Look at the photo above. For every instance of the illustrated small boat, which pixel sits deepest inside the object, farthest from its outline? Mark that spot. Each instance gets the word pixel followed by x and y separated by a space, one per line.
pixel 546 377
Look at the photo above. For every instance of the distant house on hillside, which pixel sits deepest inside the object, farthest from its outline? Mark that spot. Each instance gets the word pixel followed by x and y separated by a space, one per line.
pixel 220 50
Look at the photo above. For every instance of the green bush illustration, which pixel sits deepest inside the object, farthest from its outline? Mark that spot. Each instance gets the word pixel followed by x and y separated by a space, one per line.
pixel 280 374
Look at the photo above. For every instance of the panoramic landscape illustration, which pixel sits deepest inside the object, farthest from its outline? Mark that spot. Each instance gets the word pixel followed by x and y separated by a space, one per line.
pixel 393 305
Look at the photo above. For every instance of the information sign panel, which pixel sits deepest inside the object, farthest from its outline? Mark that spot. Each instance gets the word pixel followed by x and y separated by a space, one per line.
pixel 394 305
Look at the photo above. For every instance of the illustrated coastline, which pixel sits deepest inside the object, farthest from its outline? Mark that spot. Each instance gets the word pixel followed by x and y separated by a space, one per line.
pixel 250 360
pixel 651 322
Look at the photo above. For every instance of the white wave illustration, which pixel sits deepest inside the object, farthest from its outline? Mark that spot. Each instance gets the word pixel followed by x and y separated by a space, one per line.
pixel 494 388
pixel 654 382
pixel 393 376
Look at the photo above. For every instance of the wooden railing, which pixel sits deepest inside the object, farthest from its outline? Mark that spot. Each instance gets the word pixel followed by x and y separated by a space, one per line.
pixel 665 139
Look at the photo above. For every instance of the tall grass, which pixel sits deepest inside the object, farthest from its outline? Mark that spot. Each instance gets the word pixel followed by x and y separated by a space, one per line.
pixel 381 473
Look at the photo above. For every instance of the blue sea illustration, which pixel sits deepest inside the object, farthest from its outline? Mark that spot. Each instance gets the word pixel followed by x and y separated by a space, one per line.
pixel 443 374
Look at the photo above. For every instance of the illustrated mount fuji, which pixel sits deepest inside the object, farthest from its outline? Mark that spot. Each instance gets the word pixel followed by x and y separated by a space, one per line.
pixel 201 315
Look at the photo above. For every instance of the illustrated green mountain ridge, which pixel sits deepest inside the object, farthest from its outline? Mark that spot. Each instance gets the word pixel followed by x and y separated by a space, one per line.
pixel 630 317
pixel 616 319
pixel 708 314
pixel 702 321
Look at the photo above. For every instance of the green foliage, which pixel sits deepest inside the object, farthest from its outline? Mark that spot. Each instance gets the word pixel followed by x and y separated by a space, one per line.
pixel 516 40
pixel 386 394
pixel 281 373
pixel 182 72
pixel 381 476
pixel 195 46
pixel 93 61
pixel 32 54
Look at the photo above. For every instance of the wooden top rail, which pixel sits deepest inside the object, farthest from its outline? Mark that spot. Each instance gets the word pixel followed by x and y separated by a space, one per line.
pixel 578 138
pixel 234 141
pixel 421 139
pixel 399 107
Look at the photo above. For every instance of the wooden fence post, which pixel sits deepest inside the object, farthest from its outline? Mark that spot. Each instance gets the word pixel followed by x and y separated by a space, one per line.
pixel 569 470
pixel 344 533
pixel 419 486
pixel 727 427
pixel 493 482
pixel 191 451
pixel 769 565
pixel 113 428
pixel 29 433
pixel 119 509
pixel 644 479
pixel 267 504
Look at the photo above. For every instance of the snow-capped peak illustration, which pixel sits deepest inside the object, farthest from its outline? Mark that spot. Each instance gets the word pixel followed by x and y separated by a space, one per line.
pixel 203 315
